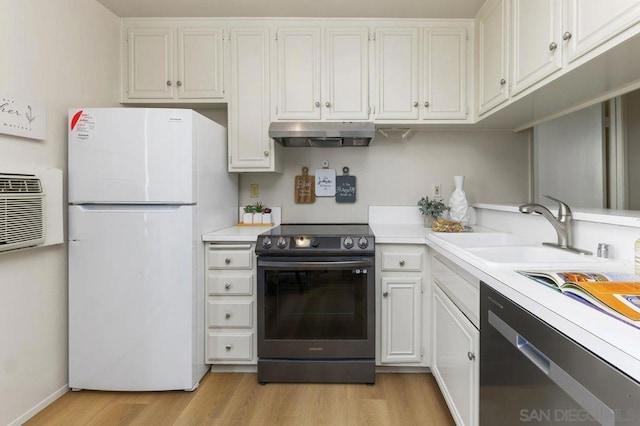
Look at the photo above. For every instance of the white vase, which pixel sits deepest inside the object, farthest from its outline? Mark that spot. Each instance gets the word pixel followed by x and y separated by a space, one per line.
pixel 458 202
pixel 266 218
pixel 247 218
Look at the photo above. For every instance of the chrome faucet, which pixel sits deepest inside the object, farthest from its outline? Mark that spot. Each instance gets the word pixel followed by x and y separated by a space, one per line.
pixel 562 224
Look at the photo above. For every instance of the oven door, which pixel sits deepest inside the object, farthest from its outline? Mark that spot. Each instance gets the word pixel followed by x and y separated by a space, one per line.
pixel 316 308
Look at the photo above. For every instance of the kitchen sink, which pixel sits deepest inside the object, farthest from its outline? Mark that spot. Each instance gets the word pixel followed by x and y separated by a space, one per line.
pixel 481 239
pixel 525 256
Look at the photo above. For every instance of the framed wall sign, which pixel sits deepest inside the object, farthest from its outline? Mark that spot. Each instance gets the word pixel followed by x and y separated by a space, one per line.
pixel 22 117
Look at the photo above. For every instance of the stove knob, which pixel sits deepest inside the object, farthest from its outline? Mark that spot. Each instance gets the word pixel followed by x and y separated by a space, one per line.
pixel 363 243
pixel 267 243
pixel 348 242
pixel 282 243
pixel 315 242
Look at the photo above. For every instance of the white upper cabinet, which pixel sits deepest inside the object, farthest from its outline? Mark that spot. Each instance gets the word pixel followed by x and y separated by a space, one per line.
pixel 590 23
pixel 250 148
pixel 150 63
pixel 396 73
pixel 444 67
pixel 537 41
pixel 200 60
pixel 421 73
pixel 173 62
pixel 492 27
pixel 322 73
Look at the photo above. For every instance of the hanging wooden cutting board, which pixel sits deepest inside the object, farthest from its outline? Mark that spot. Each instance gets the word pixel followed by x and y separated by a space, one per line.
pixel 345 187
pixel 304 188
pixel 325 182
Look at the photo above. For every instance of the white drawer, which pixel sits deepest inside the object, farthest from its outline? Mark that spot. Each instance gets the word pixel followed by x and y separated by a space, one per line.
pixel 401 261
pixel 229 347
pixel 462 288
pixel 219 284
pixel 221 314
pixel 230 257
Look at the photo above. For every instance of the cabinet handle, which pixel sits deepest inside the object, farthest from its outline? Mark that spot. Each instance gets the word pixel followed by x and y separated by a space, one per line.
pixel 553 46
pixel 227 261
pixel 415 104
pixel 227 286
pixel 566 36
pixel 426 104
pixel 178 83
pixel 402 263
pixel 503 82
pixel 227 315
pixel 471 356
pixel 385 294
pixel 228 347
pixel 266 153
pixel 168 82
pixel 327 104
pixel 317 104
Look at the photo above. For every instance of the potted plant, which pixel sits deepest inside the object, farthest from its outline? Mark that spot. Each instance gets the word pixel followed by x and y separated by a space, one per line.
pixel 258 209
pixel 431 209
pixel 247 216
pixel 266 216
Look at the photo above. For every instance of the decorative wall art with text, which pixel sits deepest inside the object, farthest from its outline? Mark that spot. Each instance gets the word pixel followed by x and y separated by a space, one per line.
pixel 21 117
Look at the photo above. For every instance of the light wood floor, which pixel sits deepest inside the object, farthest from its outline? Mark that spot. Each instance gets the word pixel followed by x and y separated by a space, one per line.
pixel 237 399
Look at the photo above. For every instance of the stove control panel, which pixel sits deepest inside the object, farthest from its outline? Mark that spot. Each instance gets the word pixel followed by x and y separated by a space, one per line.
pixel 317 244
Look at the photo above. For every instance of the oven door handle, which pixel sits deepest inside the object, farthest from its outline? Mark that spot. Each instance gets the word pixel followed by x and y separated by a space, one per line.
pixel 310 265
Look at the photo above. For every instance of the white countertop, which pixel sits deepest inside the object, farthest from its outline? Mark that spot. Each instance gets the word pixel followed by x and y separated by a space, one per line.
pixel 609 338
pixel 240 233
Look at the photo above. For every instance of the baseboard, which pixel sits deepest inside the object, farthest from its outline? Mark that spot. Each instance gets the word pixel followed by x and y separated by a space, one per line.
pixel 234 369
pixel 40 406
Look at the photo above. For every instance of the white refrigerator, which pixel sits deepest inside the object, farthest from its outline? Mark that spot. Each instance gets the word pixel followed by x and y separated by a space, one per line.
pixel 144 184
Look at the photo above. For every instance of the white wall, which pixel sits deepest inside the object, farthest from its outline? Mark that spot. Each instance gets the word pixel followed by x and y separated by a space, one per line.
pixel 398 172
pixel 63 53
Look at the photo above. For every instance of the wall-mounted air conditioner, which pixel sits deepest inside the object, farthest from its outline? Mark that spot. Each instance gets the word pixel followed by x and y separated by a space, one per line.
pixel 22 211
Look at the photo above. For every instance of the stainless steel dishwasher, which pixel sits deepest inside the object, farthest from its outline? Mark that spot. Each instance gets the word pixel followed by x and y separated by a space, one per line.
pixel 530 373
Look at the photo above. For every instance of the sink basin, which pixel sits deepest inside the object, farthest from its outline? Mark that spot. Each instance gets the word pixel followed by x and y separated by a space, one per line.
pixel 524 256
pixel 481 239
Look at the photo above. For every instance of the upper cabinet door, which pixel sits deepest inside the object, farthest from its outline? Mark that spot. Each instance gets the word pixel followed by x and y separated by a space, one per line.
pixel 200 63
pixel 445 74
pixel 250 148
pixel 590 23
pixel 345 94
pixel 537 41
pixel 396 72
pixel 492 54
pixel 150 63
pixel 298 56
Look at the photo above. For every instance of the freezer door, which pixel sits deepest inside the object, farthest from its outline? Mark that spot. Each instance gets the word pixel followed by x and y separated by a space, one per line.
pixel 131 155
pixel 132 298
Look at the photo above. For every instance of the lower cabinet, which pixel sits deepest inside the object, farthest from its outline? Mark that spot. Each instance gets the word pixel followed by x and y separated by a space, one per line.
pixel 402 307
pixel 454 357
pixel 231 304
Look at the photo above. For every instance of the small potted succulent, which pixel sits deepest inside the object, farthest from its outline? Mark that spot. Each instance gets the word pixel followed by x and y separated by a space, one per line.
pixel 247 216
pixel 258 209
pixel 431 210
pixel 266 216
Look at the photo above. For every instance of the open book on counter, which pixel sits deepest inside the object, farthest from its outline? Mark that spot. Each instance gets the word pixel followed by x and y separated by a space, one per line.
pixel 617 294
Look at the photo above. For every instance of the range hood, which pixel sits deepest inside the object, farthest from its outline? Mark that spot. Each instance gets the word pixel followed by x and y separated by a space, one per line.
pixel 322 134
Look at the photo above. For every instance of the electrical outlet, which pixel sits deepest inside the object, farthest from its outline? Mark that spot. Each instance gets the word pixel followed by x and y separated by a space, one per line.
pixel 254 189
pixel 437 190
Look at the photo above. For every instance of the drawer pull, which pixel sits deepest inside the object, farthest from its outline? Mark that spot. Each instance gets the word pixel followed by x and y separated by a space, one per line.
pixel 227 315
pixel 228 347
pixel 471 356
pixel 227 286
pixel 227 261
pixel 385 294
pixel 402 263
